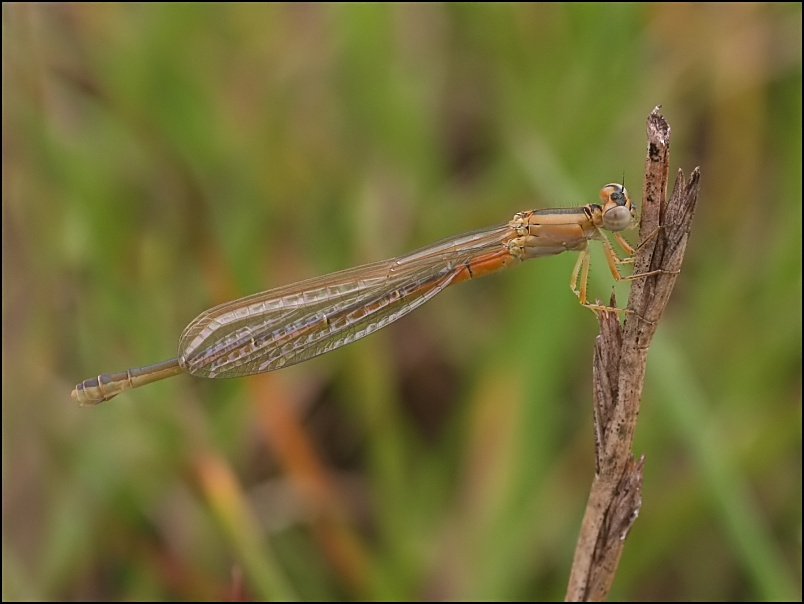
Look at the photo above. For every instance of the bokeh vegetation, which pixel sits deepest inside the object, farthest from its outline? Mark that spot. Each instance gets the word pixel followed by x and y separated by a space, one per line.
pixel 162 158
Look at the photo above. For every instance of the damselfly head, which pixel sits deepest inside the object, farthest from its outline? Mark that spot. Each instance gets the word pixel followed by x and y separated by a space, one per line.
pixel 618 211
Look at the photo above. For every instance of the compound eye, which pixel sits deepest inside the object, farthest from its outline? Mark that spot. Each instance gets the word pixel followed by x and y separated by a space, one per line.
pixel 617 218
pixel 617 209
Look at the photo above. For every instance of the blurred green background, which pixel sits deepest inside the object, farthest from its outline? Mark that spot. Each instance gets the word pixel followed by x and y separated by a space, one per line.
pixel 160 159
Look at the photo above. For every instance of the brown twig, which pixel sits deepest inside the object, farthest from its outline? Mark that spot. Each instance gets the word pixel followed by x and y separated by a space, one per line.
pixel 619 370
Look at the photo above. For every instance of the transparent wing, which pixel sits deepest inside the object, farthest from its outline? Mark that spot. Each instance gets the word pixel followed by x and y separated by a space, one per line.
pixel 291 324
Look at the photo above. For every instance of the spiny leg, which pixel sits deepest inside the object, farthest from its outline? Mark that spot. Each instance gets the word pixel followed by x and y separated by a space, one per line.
pixel 613 260
pixel 626 248
pixel 581 267
pixel 632 251
pixel 581 271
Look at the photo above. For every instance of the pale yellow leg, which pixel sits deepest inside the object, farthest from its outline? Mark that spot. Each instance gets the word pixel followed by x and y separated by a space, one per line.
pixel 582 270
pixel 613 260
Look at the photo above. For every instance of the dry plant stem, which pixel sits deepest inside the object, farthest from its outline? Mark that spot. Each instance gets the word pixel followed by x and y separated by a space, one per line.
pixel 619 371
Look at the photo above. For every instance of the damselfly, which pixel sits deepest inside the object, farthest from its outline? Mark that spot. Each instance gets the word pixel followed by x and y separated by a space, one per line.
pixel 288 325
